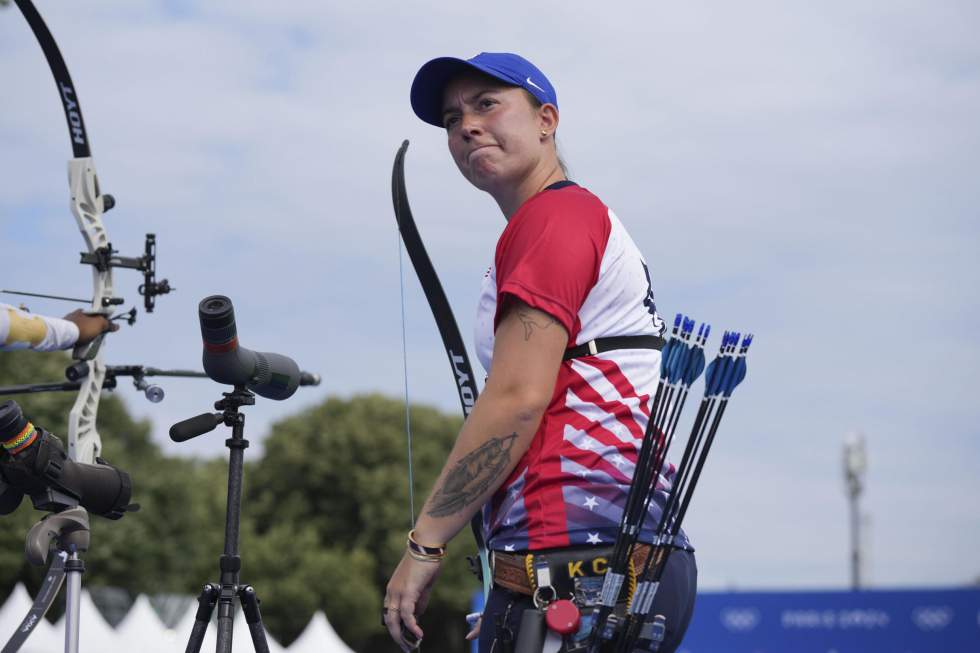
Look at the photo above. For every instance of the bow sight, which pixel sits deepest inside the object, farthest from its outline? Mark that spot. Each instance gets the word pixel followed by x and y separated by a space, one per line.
pixel 104 258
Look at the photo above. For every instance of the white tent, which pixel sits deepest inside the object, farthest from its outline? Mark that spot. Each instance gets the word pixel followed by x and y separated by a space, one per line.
pixel 141 630
pixel 319 637
pixel 43 638
pixel 142 625
pixel 94 633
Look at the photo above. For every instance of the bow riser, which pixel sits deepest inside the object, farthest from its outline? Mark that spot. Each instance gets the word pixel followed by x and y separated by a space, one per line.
pixel 84 441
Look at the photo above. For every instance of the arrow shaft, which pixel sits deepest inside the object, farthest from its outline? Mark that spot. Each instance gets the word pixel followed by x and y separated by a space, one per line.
pixel 43 296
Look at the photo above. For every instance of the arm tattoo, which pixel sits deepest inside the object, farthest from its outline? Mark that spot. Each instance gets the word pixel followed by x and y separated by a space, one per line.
pixel 472 475
pixel 529 323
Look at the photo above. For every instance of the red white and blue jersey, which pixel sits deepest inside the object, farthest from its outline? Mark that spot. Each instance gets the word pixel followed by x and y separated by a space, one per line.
pixel 565 253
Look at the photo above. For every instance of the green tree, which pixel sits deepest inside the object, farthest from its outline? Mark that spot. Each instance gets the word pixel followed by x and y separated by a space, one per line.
pixel 170 545
pixel 324 515
pixel 337 473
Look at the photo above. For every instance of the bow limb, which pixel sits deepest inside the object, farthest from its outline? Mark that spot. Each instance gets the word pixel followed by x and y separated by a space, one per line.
pixel 87 205
pixel 442 312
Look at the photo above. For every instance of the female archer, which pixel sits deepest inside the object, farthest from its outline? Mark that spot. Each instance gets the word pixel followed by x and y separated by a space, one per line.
pixel 569 334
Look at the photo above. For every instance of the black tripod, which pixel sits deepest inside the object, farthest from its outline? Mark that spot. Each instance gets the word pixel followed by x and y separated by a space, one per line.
pixel 223 593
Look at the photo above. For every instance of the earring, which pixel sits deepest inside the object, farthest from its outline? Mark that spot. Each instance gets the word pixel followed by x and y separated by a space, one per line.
pixel 544 133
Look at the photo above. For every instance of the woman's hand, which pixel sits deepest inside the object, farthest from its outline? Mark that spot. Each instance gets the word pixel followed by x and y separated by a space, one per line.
pixel 90 327
pixel 407 597
pixel 528 351
pixel 475 630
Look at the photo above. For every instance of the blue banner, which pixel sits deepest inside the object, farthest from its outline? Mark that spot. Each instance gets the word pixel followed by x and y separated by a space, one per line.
pixel 899 621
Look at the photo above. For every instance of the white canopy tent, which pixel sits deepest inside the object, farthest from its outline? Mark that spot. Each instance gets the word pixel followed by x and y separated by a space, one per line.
pixel 142 625
pixel 94 633
pixel 43 639
pixel 319 637
pixel 141 630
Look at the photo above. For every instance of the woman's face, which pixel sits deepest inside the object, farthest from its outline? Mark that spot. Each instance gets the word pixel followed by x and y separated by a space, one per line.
pixel 494 132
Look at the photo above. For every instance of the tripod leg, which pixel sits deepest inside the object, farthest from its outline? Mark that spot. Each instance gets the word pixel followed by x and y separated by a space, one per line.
pixel 226 617
pixel 205 606
pixel 45 597
pixel 250 605
pixel 74 569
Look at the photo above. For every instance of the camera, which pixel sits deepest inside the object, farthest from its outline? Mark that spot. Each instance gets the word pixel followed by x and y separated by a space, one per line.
pixel 34 463
pixel 268 375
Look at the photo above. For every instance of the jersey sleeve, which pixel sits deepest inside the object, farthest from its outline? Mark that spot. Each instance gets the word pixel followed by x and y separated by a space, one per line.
pixel 549 255
pixel 22 330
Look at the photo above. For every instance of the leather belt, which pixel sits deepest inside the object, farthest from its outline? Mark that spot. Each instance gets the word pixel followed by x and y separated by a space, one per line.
pixel 511 571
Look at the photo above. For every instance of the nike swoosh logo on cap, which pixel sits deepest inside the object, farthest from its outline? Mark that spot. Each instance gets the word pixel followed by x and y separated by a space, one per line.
pixel 528 81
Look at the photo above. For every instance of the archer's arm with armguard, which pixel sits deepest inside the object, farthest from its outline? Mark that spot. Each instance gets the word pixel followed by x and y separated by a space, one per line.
pixel 22 330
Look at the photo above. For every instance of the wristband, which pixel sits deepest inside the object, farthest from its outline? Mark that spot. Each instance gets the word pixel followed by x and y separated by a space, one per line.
pixel 21 441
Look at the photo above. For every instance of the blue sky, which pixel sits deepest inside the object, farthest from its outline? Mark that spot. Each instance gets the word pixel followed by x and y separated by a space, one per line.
pixel 804 171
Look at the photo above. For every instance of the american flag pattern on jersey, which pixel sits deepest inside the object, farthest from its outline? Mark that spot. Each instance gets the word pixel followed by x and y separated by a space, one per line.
pixel 570 486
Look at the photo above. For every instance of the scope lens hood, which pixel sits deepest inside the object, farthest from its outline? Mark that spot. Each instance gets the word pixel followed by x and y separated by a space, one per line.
pixel 216 311
pixel 12 420
pixel 217 315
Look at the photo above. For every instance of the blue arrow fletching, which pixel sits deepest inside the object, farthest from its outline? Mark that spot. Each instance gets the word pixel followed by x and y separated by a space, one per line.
pixel 709 376
pixel 739 368
pixel 725 376
pixel 683 363
pixel 718 378
pixel 707 332
pixel 677 322
pixel 714 369
pixel 680 346
pixel 665 356
pixel 677 356
pixel 695 366
pixel 738 373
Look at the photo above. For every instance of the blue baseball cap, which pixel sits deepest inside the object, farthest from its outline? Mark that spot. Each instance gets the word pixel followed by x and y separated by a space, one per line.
pixel 432 78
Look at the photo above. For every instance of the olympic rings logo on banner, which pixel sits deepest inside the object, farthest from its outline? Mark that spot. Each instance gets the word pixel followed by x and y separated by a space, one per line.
pixel 932 617
pixel 740 620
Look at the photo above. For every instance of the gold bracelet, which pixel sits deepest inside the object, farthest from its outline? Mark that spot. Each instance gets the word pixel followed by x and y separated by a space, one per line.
pixel 421 549
pixel 424 558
